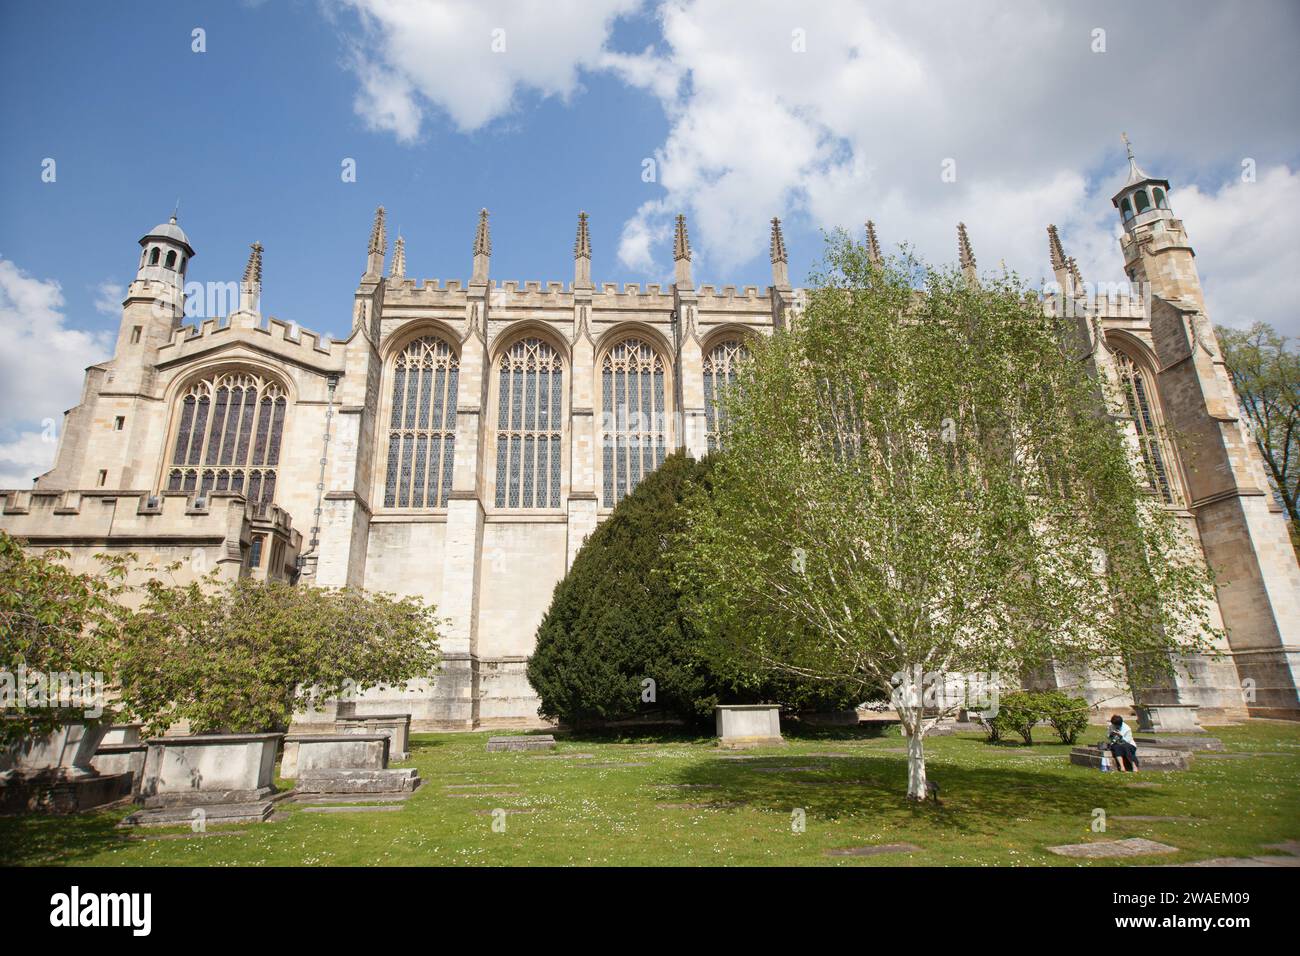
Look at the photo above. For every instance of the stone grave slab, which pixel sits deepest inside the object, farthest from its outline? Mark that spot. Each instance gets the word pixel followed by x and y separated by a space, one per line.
pixel 1105 849
pixel 519 742
pixel 392 780
pixel 386 808
pixel 1155 758
pixel 874 850
pixel 256 811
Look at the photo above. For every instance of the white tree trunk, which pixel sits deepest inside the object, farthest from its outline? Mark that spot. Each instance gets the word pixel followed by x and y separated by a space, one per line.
pixel 914 726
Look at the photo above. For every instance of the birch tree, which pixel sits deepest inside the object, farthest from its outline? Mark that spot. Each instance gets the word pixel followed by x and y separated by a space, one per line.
pixel 919 482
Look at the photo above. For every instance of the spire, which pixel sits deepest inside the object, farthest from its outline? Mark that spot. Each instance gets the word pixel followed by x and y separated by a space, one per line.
pixel 873 244
pixel 253 271
pixel 780 262
pixel 1075 274
pixel 250 290
pixel 1054 250
pixel 682 255
pixel 482 249
pixel 582 255
pixel 398 268
pixel 378 245
pixel 965 254
pixel 1135 172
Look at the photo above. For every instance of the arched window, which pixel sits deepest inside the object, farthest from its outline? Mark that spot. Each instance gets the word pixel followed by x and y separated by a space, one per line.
pixel 228 432
pixel 720 372
pixel 422 426
pixel 1161 201
pixel 633 424
pixel 154 256
pixel 1126 209
pixel 1157 455
pixel 530 423
pixel 1140 201
pixel 171 259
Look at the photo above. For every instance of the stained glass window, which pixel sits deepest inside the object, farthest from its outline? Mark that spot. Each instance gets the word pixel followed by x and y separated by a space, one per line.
pixel 229 419
pixel 422 426
pixel 719 373
pixel 1157 455
pixel 529 417
pixel 634 436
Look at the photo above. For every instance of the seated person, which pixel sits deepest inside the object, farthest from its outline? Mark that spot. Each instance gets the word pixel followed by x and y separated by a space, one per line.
pixel 1121 745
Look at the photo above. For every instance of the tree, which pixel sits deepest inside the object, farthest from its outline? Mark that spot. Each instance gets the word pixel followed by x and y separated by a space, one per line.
pixel 917 485
pixel 243 656
pixel 49 623
pixel 1265 369
pixel 617 620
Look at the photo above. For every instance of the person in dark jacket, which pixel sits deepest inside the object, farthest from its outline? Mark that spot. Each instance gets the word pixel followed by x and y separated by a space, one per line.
pixel 1121 744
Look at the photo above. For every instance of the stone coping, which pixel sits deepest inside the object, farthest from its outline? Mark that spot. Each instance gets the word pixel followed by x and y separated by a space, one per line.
pixel 214 739
pixel 375 717
pixel 745 706
pixel 121 748
pixel 332 738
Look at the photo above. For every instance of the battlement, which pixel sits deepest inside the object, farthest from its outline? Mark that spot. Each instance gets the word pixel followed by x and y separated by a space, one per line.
pixel 285 337
pixel 1121 300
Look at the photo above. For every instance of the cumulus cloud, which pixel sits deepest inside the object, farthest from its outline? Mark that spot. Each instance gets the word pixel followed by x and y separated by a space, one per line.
pixel 831 113
pixel 470 58
pixel 42 361
pixel 108 298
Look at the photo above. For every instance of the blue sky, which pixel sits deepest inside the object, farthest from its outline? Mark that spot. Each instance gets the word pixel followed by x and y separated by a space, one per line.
pixel 824 114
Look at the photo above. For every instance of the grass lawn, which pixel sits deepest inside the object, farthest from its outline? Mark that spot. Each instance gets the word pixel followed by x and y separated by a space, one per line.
pixel 660 800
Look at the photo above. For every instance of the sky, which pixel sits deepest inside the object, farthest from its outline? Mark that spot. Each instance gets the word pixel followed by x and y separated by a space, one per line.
pixel 1006 116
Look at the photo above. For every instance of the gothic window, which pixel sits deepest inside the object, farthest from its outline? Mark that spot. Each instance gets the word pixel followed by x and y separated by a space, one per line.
pixel 422 426
pixel 633 424
pixel 228 430
pixel 1157 456
pixel 720 372
pixel 530 423
pixel 154 256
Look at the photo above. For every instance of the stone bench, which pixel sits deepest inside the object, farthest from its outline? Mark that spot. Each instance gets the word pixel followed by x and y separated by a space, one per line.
pixel 521 742
pixel 350 751
pixel 1153 758
pixel 397 727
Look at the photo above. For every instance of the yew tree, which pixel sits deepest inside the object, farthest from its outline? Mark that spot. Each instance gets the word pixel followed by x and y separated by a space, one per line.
pixel 923 477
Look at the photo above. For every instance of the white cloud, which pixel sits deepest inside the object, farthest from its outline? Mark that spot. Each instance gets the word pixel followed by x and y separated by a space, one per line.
pixel 42 362
pixel 108 298
pixel 470 58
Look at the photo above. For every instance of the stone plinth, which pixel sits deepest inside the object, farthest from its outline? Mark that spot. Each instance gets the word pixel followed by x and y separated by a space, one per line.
pixel 748 725
pixel 397 727
pixel 521 742
pixel 1149 758
pixel 209 768
pixel 403 780
pixel 307 752
pixel 122 734
pixel 1168 718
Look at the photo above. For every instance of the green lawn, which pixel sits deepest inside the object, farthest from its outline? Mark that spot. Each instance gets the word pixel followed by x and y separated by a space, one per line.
pixel 677 801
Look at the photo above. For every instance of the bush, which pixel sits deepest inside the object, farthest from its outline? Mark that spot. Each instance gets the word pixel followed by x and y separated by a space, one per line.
pixel 1017 714
pixel 617 620
pixel 244 656
pixel 1067 715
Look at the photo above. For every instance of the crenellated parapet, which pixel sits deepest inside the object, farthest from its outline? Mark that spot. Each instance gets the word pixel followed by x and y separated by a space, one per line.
pixel 285 339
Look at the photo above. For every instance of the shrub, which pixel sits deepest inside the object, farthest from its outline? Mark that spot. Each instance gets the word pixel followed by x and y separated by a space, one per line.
pixel 1067 715
pixel 1017 714
pixel 243 656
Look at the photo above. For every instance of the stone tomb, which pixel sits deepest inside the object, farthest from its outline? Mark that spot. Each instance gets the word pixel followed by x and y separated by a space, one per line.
pixel 1149 758
pixel 346 763
pixel 55 773
pixel 397 727
pixel 1168 718
pixel 213 778
pixel 748 725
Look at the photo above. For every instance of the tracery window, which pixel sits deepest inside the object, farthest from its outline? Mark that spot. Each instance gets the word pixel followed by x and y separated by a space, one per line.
pixel 633 424
pixel 422 425
pixel 228 431
pixel 1157 456
pixel 719 373
pixel 530 410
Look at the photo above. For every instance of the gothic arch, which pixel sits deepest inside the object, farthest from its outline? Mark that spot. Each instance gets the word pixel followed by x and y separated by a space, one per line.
pixel 416 422
pixel 526 455
pixel 634 388
pixel 1135 367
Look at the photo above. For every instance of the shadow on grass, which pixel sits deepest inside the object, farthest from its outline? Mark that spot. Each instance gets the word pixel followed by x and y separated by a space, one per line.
pixel 41 840
pixel 972 799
